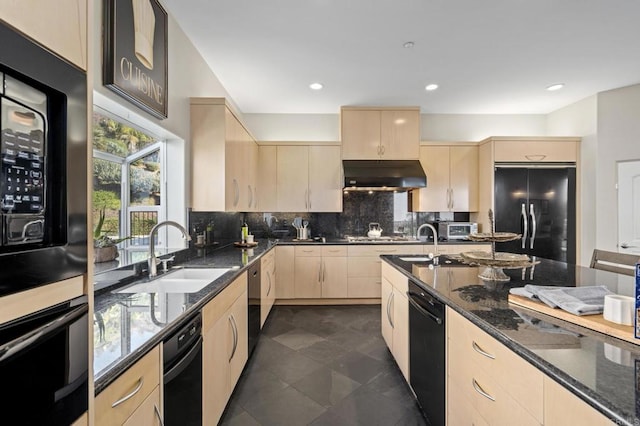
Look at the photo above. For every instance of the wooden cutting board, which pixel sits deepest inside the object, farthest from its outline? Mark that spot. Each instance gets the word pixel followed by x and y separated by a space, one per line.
pixel 592 322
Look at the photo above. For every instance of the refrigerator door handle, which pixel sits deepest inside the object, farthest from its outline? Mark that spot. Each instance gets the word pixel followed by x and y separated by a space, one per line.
pixel 525 222
pixel 533 226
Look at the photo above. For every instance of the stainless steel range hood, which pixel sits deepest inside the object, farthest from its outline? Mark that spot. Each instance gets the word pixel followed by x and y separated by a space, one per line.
pixel 383 175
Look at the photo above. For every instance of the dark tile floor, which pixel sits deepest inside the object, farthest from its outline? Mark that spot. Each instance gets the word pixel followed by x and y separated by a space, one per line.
pixel 322 365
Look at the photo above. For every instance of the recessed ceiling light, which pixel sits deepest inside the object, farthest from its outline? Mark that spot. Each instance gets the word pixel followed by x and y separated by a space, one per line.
pixel 316 86
pixel 431 87
pixel 408 45
pixel 555 87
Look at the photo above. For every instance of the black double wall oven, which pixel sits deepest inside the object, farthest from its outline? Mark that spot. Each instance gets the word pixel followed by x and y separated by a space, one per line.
pixel 43 166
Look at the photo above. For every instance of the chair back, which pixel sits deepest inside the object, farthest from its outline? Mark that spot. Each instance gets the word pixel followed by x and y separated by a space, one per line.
pixel 621 263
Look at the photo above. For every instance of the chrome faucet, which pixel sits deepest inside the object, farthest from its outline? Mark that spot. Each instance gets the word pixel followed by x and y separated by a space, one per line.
pixel 153 266
pixel 435 235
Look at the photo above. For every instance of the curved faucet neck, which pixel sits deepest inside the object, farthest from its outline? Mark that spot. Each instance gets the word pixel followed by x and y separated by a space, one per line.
pixel 153 271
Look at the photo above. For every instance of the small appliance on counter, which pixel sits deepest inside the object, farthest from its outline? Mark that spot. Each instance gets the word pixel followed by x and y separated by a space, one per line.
pixel 456 230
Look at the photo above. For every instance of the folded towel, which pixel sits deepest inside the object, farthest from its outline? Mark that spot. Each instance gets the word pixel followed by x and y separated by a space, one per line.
pixel 576 300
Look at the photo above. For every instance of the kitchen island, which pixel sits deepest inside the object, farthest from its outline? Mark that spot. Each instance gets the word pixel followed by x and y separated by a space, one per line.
pixel 599 369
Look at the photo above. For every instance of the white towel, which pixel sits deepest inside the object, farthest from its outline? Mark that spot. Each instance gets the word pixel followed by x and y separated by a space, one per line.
pixel 576 300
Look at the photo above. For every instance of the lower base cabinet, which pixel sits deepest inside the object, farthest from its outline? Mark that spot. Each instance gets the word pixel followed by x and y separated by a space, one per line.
pixel 134 397
pixel 267 285
pixel 395 316
pixel 225 347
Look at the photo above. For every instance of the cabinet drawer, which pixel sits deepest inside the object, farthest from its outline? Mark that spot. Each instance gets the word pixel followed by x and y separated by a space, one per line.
pixel 148 413
pixel 496 361
pixel 301 251
pixel 122 397
pixel 377 250
pixel 364 266
pixel 460 409
pixel 492 402
pixel 223 301
pixel 329 251
pixel 536 151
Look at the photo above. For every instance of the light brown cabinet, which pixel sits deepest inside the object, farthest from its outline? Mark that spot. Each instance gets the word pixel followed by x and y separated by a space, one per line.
pixel 482 369
pixel 267 284
pixel 224 159
pixel 134 393
pixel 535 150
pixel 59 25
pixel 380 133
pixel 309 178
pixel 320 272
pixel 285 268
pixel 395 316
pixel 452 179
pixel 225 347
pixel 148 413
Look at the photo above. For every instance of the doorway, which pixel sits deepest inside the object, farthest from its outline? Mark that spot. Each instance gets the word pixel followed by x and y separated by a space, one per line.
pixel 629 207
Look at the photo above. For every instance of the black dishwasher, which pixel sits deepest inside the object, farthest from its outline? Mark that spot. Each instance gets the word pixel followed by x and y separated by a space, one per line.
pixel 427 353
pixel 182 354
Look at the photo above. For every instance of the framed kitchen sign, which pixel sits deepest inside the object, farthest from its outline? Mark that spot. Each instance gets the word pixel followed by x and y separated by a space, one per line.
pixel 135 53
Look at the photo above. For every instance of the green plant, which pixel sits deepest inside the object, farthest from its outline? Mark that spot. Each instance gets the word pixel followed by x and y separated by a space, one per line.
pixel 101 239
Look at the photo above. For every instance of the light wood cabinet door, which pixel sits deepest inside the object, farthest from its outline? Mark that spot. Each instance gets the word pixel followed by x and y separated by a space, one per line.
pixel 251 165
pixel 59 25
pixel 267 284
pixel 400 134
pixel 562 408
pixel 325 179
pixel 386 309
pixel 463 178
pixel 238 335
pixel 401 331
pixel 536 150
pixel 334 277
pixel 293 178
pixel 267 167
pixel 308 277
pixel 215 371
pixel 148 413
pixel 285 271
pixel 435 197
pixel 452 179
pixel 360 134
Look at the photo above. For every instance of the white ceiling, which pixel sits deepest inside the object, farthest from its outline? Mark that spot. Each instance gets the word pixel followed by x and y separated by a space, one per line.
pixel 489 56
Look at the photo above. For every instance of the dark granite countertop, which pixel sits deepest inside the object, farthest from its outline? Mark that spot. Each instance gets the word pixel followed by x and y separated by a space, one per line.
pixel 128 325
pixel 602 370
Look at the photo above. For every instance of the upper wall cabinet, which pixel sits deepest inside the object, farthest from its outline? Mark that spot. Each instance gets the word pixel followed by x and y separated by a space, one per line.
pixel 534 150
pixel 224 159
pixel 59 25
pixel 452 179
pixel 380 133
pixel 309 178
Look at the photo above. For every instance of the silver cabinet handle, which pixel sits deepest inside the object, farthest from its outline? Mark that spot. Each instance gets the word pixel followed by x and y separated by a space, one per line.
pixel 324 270
pixel 129 395
pixel 157 411
pixel 523 213
pixel 389 309
pixel 538 157
pixel 478 349
pixel 320 271
pixel 306 199
pixel 269 279
pixel 451 198
pixel 234 330
pixel 383 149
pixel 236 195
pixel 533 226
pixel 250 195
pixel 481 391
pixel 626 246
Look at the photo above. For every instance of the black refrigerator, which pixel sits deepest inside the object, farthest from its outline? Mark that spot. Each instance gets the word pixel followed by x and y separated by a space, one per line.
pixel 538 202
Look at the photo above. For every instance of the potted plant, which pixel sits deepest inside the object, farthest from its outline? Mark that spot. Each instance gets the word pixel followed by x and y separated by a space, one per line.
pixel 105 248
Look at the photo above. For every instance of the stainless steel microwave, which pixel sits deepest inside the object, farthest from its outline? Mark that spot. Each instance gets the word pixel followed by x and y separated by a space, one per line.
pixel 456 230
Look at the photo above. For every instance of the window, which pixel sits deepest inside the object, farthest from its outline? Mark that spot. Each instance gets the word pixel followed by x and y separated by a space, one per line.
pixel 127 179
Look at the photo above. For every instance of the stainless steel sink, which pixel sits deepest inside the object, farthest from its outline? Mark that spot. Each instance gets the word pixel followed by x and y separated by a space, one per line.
pixel 186 280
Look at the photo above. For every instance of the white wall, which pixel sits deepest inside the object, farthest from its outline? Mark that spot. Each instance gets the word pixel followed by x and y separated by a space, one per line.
pixel 188 76
pixel 580 119
pixel 618 139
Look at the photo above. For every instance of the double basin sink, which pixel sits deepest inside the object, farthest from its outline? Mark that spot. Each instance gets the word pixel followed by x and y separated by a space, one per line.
pixel 185 280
